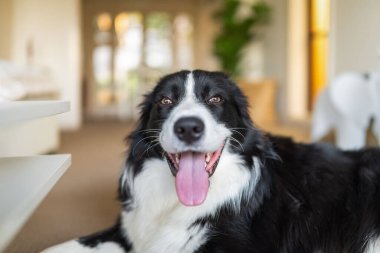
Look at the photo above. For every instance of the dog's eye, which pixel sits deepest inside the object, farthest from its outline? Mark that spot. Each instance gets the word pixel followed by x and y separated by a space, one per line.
pixel 215 100
pixel 166 101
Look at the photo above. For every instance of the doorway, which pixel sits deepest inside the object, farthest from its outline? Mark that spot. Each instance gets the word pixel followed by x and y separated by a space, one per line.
pixel 127 48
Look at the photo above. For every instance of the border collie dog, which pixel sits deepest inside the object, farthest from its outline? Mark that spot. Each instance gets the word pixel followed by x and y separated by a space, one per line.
pixel 201 178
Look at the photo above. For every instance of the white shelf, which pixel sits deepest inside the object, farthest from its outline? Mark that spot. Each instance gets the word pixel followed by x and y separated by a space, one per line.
pixel 17 111
pixel 24 182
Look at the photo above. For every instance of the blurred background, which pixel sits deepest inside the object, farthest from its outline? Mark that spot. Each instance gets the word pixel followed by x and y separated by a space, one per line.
pixel 103 55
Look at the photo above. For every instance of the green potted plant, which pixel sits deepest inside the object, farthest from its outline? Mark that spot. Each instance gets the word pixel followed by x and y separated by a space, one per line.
pixel 237 32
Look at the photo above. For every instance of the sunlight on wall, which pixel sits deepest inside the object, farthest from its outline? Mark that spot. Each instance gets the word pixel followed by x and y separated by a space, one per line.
pixel 297 60
pixel 319 39
pixel 5 29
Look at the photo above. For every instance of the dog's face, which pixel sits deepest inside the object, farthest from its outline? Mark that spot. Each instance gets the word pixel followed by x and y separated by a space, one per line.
pixel 194 115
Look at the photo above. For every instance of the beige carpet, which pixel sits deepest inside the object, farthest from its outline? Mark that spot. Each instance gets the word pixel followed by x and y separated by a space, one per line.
pixel 85 199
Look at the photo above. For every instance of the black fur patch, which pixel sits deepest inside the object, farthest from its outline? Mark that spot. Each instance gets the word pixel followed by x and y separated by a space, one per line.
pixel 113 234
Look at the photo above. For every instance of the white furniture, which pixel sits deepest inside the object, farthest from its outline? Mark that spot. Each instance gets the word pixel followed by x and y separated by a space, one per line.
pixel 16 111
pixel 347 105
pixel 25 181
pixel 39 136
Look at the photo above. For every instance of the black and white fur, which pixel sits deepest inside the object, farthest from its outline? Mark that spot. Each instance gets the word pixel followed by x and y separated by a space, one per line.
pixel 266 195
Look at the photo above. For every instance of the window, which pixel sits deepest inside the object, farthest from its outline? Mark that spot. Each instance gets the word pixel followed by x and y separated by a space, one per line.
pixel 131 51
pixel 158 47
pixel 102 58
pixel 183 30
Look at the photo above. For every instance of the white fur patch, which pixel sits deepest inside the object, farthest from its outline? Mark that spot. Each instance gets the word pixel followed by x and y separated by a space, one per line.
pixel 160 223
pixel 127 182
pixel 76 247
pixel 214 135
pixel 373 246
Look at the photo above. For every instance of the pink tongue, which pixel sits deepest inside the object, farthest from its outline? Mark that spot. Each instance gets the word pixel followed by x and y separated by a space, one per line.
pixel 192 179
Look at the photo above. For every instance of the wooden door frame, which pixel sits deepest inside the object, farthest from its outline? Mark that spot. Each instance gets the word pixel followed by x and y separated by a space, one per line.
pixel 330 55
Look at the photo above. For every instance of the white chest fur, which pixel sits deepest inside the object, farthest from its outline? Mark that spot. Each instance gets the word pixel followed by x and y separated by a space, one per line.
pixel 160 223
pixel 373 246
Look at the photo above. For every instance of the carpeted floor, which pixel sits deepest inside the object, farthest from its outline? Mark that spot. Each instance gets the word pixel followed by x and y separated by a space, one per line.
pixel 85 198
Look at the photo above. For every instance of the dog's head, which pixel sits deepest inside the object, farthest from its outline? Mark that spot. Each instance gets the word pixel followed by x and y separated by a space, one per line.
pixel 190 118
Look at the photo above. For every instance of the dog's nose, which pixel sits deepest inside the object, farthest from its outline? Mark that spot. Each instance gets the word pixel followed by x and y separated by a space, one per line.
pixel 189 129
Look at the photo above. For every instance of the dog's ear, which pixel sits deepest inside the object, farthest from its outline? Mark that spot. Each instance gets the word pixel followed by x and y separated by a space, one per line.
pixel 145 109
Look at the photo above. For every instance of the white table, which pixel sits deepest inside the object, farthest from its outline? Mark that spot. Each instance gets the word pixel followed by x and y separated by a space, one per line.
pixel 25 181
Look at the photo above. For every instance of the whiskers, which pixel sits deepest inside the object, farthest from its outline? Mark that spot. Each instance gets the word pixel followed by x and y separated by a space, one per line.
pixel 152 144
pixel 151 140
pixel 235 130
pixel 235 142
pixel 151 130
pixel 232 139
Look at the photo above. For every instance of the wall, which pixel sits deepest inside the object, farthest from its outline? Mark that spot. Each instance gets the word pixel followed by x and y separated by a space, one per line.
pixel 5 29
pixel 297 60
pixel 355 35
pixel 207 30
pixel 52 29
pixel 275 54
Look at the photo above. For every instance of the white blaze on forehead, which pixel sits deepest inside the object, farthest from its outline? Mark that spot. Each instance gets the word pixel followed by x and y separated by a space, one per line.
pixel 189 84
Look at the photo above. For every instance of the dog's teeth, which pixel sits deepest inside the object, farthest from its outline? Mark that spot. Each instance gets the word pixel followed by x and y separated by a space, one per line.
pixel 208 157
pixel 177 158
